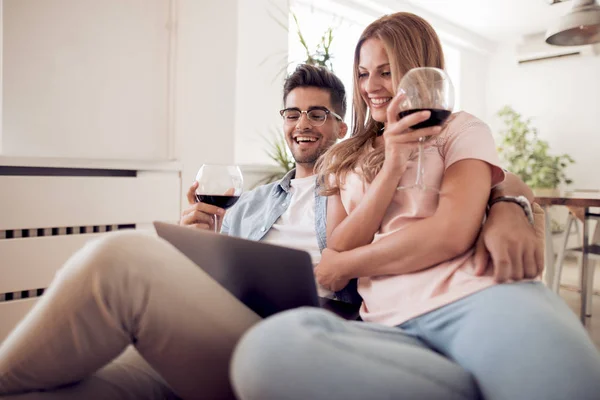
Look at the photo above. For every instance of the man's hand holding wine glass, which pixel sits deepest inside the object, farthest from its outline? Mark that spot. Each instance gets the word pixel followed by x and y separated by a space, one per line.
pixel 217 187
pixel 200 215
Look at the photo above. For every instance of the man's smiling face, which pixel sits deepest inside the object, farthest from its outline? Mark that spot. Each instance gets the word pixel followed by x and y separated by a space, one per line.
pixel 306 141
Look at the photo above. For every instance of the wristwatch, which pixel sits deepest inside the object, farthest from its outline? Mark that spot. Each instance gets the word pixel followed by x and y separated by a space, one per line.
pixel 520 200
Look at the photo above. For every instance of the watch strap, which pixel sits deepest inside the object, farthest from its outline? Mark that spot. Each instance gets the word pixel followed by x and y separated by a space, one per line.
pixel 520 200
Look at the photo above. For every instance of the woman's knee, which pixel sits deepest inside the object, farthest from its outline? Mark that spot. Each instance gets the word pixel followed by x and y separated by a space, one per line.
pixel 263 355
pixel 275 334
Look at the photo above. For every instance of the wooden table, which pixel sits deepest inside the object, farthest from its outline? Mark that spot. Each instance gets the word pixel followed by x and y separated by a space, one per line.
pixel 579 203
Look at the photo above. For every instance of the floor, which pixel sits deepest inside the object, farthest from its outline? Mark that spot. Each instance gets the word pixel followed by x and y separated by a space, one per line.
pixel 569 291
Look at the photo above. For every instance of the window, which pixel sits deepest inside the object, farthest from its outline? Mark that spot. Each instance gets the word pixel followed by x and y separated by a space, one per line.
pixel 313 23
pixel 348 24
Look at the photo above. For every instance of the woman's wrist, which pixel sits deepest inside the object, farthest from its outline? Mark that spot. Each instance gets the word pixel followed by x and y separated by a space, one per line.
pixel 352 262
pixel 392 171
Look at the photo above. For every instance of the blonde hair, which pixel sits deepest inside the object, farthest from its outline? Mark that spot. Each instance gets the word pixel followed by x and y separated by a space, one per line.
pixel 409 42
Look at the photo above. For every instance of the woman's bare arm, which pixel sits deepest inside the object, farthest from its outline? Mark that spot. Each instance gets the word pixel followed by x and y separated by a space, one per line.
pixel 346 232
pixel 451 231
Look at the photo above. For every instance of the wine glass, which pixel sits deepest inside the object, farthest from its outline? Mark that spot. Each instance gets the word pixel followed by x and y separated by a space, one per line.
pixel 219 185
pixel 428 89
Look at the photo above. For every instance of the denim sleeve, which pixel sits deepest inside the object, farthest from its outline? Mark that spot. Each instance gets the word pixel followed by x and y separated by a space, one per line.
pixel 349 294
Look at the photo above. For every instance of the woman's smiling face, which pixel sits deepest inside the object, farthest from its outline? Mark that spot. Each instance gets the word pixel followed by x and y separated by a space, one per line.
pixel 375 78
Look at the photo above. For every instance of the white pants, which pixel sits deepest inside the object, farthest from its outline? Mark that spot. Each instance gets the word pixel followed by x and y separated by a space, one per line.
pixel 126 289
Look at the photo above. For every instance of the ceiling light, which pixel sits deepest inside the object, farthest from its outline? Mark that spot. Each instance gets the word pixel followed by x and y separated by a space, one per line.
pixel 579 27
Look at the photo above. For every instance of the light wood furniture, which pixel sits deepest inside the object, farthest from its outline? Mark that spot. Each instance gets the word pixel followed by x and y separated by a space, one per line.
pixel 580 204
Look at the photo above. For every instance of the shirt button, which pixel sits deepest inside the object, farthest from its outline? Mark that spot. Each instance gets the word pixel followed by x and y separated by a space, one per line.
pixel 283 204
pixel 263 229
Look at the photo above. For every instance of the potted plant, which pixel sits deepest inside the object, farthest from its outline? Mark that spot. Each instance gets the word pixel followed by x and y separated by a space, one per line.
pixel 528 156
pixel 321 55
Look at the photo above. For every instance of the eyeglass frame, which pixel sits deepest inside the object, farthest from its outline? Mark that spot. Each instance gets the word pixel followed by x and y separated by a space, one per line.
pixel 321 108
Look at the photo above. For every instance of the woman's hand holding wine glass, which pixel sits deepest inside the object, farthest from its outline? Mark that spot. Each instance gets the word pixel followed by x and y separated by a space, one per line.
pixel 401 141
pixel 424 89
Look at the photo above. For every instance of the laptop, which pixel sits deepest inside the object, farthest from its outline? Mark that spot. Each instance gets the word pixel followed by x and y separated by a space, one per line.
pixel 267 278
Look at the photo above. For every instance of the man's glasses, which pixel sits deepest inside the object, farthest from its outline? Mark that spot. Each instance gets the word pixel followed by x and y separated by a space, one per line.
pixel 316 116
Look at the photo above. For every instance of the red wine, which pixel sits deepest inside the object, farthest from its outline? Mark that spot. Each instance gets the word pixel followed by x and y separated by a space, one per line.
pixel 437 117
pixel 219 201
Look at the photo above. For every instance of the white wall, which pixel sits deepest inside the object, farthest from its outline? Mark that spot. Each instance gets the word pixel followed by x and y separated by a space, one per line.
pixel 205 86
pixel 85 78
pixel 1 69
pixel 563 98
pixel 107 80
pixel 261 69
pixel 474 68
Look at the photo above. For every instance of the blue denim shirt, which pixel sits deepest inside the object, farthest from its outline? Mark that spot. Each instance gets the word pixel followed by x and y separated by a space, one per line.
pixel 256 211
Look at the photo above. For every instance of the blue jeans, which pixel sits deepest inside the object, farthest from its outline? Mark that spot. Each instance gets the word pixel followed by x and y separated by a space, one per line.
pixel 510 341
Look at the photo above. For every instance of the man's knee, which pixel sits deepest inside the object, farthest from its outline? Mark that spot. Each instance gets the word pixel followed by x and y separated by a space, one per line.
pixel 111 254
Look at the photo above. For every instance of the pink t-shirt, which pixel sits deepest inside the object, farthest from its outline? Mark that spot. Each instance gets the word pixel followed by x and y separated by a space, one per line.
pixel 392 300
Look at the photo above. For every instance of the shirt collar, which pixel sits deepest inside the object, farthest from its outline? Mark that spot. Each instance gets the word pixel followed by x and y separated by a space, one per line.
pixel 285 182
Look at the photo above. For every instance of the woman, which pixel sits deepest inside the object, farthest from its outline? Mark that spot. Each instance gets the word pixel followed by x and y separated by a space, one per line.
pixel 423 304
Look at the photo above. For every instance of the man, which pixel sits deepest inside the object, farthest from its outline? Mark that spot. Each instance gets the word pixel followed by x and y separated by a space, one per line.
pixel 129 290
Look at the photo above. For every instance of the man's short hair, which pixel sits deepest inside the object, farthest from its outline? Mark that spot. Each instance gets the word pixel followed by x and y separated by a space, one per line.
pixel 307 75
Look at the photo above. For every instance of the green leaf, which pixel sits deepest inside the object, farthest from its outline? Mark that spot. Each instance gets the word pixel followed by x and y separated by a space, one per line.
pixel 320 55
pixel 528 156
